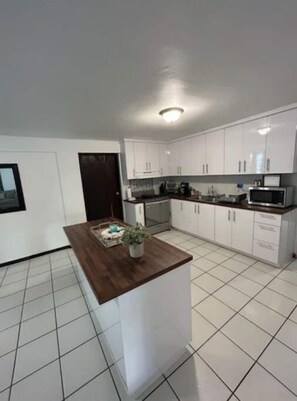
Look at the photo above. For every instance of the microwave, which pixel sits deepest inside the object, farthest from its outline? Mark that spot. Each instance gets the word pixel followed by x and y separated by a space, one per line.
pixel 271 196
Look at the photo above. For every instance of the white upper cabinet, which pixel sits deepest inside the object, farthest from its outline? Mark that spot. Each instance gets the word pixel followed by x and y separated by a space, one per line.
pixel 280 142
pixel 215 153
pixel 129 159
pixel 174 158
pixel 140 158
pixel 164 159
pixel 198 154
pixel 153 158
pixel 185 156
pixel 234 150
pixel 254 146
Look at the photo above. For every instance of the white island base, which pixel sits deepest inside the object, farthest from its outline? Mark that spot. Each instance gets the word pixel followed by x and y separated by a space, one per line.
pixel 144 331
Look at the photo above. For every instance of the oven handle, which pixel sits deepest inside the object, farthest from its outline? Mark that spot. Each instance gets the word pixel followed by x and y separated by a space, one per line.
pixel 157 202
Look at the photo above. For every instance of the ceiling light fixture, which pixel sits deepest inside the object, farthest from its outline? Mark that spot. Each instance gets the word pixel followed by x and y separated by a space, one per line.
pixel 264 131
pixel 171 114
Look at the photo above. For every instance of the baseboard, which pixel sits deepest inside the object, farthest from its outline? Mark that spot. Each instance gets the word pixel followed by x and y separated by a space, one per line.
pixel 12 262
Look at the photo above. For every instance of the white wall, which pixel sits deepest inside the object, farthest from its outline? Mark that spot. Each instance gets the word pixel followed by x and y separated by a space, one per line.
pixel 50 176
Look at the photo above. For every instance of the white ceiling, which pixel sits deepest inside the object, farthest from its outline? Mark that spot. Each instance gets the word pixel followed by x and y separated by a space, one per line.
pixel 105 68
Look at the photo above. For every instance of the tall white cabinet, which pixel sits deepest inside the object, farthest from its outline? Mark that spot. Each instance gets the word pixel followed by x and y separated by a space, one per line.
pixel 281 142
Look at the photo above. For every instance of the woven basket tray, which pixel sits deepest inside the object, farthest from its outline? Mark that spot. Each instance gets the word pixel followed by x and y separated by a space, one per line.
pixel 101 230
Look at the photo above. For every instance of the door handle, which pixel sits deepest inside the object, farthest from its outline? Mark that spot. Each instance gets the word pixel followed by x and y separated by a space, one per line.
pixel 234 216
pixel 229 215
pixel 268 164
pixel 206 168
pixel 198 209
pixel 203 169
pixel 195 208
pixel 244 166
pixel 117 193
pixel 239 166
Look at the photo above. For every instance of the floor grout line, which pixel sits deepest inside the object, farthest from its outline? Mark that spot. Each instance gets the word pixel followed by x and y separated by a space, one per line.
pixel 57 334
pixel 17 343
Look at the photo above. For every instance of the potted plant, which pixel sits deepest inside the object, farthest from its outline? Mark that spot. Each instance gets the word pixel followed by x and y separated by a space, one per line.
pixel 134 237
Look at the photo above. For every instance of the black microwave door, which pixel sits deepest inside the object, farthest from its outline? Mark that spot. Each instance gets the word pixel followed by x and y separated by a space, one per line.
pixel 267 196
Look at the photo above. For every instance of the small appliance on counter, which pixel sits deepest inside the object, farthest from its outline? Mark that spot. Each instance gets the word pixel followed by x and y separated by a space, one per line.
pixel 184 189
pixel 271 196
pixel 171 187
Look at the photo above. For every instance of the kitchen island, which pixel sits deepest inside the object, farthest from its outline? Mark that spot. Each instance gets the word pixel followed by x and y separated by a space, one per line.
pixel 141 307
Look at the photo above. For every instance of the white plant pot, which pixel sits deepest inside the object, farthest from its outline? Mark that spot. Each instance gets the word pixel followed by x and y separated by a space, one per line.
pixel 136 251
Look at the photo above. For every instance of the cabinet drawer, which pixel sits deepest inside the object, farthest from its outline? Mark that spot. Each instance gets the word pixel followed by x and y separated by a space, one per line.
pixel 268 218
pixel 266 251
pixel 267 233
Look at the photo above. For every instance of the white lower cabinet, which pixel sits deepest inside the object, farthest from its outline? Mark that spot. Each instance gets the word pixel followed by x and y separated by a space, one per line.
pixel 234 228
pixel 194 218
pixel 206 220
pixel 134 213
pixel 274 237
pixel 266 236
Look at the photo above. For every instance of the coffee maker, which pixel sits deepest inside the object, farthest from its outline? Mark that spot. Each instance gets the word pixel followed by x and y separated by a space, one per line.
pixel 184 189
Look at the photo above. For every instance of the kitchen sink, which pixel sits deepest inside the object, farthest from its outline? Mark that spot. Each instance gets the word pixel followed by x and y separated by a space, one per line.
pixel 208 198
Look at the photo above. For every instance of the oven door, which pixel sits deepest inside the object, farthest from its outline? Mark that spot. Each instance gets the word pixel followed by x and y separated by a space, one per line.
pixel 156 212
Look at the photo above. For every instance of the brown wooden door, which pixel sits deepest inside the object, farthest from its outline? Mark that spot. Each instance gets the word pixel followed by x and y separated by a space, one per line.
pixel 101 185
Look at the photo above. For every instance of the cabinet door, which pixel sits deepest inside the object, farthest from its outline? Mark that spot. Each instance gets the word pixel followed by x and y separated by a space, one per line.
pixel 254 146
pixel 174 158
pixel 206 221
pixel 223 225
pixel 215 153
pixel 176 213
pixel 140 157
pixel 164 159
pixel 190 217
pixel 280 145
pixel 139 213
pixel 198 155
pixel 185 156
pixel 153 157
pixel 242 230
pixel 129 158
pixel 234 149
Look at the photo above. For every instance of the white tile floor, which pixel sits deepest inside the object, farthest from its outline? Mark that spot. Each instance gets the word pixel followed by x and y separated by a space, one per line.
pixel 244 332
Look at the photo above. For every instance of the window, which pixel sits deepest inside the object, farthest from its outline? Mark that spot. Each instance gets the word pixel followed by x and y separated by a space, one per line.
pixel 11 193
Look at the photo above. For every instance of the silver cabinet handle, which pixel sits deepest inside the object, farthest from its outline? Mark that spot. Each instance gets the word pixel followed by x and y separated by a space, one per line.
pixel 195 208
pixel 139 209
pixel 206 168
pixel 181 206
pixel 268 216
pixel 203 168
pixel 150 166
pixel 268 164
pixel 198 209
pixel 176 169
pixel 239 166
pixel 265 246
pixel 234 216
pixel 161 170
pixel 229 215
pixel 134 172
pixel 180 170
pixel 267 228
pixel 146 167
pixel 244 166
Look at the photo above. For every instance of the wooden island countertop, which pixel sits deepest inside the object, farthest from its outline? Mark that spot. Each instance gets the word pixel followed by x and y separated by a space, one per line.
pixel 111 272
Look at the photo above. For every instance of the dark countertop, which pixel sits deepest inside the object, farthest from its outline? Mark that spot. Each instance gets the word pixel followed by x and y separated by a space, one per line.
pixel 111 272
pixel 244 205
